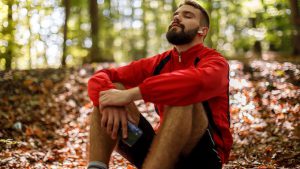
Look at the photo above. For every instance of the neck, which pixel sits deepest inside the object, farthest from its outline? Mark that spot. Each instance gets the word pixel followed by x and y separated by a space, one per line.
pixel 185 47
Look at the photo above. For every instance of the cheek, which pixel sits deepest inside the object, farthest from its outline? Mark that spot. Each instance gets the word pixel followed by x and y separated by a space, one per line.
pixel 192 25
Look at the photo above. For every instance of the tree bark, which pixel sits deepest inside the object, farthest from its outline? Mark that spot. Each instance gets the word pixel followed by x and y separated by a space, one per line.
pixel 257 49
pixel 67 5
pixel 296 22
pixel 210 33
pixel 9 51
pixel 95 55
pixel 29 39
pixel 174 5
pixel 145 31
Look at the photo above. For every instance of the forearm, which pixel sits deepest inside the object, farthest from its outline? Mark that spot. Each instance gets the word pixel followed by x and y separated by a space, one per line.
pixel 116 97
pixel 100 81
pixel 135 93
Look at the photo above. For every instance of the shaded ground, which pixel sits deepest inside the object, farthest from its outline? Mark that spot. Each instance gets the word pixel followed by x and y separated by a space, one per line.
pixel 44 117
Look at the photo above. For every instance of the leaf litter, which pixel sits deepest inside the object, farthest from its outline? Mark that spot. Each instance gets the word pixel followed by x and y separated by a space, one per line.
pixel 44 117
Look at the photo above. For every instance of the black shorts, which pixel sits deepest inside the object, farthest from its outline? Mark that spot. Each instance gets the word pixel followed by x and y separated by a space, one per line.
pixel 203 155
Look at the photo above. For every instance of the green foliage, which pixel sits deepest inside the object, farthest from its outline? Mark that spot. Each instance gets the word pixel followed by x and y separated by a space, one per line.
pixel 132 29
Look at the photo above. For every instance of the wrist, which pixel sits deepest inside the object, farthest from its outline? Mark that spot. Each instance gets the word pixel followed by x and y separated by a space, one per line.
pixel 135 94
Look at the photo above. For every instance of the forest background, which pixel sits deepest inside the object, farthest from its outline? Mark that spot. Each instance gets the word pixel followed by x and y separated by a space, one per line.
pixel 49 50
pixel 55 33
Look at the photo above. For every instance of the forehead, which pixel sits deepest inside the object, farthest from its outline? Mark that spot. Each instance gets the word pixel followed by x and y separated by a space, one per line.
pixel 190 9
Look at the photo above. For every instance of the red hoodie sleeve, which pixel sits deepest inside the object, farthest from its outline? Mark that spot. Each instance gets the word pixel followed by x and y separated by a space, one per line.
pixel 130 76
pixel 192 85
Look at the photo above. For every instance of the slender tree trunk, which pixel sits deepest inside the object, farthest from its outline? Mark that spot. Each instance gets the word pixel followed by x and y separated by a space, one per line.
pixel 95 55
pixel 296 22
pixel 174 5
pixel 78 27
pixel 9 52
pixel 257 49
pixel 210 32
pixel 107 25
pixel 145 31
pixel 29 39
pixel 67 5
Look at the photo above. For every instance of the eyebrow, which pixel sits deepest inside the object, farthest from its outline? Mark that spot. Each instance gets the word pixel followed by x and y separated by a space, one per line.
pixel 185 13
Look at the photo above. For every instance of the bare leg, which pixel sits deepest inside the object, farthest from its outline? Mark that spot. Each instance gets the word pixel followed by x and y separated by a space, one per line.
pixel 101 144
pixel 199 126
pixel 181 130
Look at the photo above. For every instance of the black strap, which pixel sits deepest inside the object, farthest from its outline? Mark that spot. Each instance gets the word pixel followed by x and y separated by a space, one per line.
pixel 158 69
pixel 211 123
pixel 196 61
pixel 228 111
pixel 161 65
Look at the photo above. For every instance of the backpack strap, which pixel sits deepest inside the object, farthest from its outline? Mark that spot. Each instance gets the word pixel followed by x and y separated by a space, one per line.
pixel 161 65
pixel 196 61
pixel 211 123
pixel 158 69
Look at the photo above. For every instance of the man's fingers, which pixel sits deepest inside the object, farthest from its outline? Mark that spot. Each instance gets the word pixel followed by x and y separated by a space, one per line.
pixel 101 108
pixel 104 118
pixel 110 122
pixel 102 93
pixel 124 124
pixel 115 128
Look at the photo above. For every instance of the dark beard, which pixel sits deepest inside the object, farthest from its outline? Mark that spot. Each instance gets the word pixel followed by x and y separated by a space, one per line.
pixel 181 38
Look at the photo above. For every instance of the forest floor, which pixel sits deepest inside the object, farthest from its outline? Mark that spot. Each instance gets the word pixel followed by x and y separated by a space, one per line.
pixel 44 117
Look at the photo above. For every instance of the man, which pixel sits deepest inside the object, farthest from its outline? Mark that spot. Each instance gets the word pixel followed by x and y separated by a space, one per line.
pixel 189 87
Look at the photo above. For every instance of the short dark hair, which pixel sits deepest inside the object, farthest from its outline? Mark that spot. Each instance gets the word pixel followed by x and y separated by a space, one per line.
pixel 204 14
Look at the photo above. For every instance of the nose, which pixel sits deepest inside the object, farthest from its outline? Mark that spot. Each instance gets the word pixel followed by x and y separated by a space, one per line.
pixel 176 18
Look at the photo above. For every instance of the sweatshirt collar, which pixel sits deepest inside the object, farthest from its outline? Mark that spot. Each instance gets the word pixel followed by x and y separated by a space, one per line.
pixel 189 54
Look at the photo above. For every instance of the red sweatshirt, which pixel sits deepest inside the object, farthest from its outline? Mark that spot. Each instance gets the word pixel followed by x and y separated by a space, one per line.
pixel 179 83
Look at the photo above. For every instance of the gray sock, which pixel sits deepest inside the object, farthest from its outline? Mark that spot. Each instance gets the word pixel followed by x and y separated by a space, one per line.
pixel 97 165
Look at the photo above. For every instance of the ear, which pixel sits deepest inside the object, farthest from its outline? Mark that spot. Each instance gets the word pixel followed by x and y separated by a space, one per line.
pixel 204 30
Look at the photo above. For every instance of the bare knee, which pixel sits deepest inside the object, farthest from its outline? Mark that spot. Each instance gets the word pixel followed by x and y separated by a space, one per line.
pixel 181 109
pixel 178 118
pixel 119 86
pixel 199 116
pixel 199 126
pixel 197 112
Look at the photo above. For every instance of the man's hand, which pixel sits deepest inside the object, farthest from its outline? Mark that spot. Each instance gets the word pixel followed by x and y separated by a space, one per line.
pixel 111 119
pixel 112 104
pixel 114 97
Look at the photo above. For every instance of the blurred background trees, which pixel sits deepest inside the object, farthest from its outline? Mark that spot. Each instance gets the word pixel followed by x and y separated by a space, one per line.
pixel 55 33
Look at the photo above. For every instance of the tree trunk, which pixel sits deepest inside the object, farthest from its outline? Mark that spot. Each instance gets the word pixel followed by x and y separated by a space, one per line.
pixel 29 39
pixel 145 31
pixel 67 13
pixel 257 49
pixel 174 5
pixel 9 51
pixel 95 55
pixel 210 32
pixel 296 22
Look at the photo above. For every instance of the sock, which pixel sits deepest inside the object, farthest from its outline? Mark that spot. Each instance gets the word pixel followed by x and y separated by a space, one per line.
pixel 97 165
